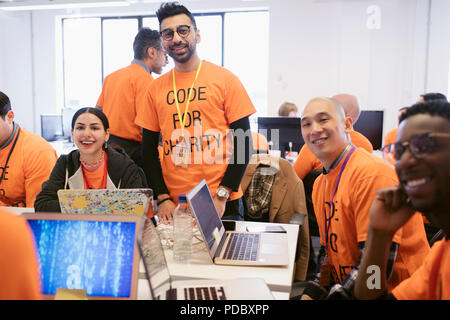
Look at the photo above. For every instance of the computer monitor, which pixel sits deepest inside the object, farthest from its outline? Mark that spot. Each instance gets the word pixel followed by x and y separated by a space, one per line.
pixel 282 133
pixel 51 127
pixel 370 124
pixel 67 115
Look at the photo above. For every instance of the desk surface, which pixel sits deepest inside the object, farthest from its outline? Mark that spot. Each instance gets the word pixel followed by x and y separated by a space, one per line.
pixel 278 279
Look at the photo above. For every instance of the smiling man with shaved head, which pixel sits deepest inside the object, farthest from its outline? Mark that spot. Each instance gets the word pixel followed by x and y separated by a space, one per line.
pixel 342 196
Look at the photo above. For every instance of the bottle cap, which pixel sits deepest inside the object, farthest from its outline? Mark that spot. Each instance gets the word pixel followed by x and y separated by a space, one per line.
pixel 182 198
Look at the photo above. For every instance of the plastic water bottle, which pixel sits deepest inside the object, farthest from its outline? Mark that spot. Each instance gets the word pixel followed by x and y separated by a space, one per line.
pixel 182 231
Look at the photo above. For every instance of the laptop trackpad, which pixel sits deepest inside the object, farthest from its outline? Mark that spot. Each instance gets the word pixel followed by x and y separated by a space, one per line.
pixel 270 249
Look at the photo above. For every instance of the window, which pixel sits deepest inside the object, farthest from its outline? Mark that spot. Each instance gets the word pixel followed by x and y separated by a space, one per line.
pixel 236 40
pixel 81 61
pixel 118 38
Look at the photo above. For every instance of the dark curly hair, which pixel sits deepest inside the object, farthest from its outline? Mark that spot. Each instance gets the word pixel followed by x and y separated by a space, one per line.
pixel 170 9
pixel 439 108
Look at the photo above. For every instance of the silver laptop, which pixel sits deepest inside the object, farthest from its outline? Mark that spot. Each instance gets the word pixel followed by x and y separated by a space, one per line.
pixel 231 247
pixel 105 201
pixel 163 288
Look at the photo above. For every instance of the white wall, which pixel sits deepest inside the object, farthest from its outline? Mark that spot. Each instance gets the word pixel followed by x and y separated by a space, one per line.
pixel 317 48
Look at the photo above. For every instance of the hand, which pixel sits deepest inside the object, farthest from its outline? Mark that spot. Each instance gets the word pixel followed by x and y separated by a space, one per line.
pixel 220 205
pixel 390 209
pixel 305 297
pixel 165 212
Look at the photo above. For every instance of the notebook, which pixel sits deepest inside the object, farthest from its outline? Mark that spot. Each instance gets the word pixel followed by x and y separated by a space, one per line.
pixel 96 253
pixel 105 201
pixel 163 288
pixel 231 247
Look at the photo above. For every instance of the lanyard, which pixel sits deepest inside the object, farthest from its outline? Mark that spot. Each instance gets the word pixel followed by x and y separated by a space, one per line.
pixel 183 119
pixel 105 174
pixel 327 223
pixel 9 155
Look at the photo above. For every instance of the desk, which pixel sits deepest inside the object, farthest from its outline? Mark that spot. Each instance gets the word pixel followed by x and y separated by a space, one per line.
pixel 278 279
pixel 18 210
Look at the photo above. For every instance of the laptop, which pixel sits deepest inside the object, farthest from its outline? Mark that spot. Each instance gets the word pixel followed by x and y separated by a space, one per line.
pixel 105 201
pixel 96 253
pixel 231 247
pixel 163 288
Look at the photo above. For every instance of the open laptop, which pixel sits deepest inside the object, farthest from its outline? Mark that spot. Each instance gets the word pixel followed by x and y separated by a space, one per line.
pixel 225 247
pixel 105 201
pixel 163 288
pixel 96 253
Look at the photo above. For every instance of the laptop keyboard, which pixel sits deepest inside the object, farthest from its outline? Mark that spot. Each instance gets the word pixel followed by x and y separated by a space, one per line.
pixel 201 293
pixel 242 246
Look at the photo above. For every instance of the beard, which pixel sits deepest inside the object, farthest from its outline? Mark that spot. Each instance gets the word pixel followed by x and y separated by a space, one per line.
pixel 185 57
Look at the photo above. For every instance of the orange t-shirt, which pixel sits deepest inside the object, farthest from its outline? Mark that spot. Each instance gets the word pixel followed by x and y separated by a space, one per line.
pixel 118 100
pixel 30 165
pixel 391 137
pixel 420 285
pixel 307 161
pixel 362 176
pixel 218 98
pixel 95 178
pixel 19 270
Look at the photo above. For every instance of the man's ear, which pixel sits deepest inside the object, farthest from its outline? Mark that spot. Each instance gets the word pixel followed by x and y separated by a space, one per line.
pixel 151 52
pixel 197 36
pixel 9 116
pixel 348 122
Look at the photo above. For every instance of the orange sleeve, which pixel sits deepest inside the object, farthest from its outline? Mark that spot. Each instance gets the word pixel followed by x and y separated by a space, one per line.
pixel 390 137
pixel 19 271
pixel 237 102
pixel 417 286
pixel 306 162
pixel 361 141
pixel 146 115
pixel 100 98
pixel 38 164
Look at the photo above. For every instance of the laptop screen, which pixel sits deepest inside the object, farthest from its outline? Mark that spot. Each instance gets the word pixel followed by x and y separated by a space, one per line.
pixel 205 211
pixel 154 259
pixel 95 253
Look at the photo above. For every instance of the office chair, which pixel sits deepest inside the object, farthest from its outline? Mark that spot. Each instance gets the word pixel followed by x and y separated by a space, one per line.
pixel 274 193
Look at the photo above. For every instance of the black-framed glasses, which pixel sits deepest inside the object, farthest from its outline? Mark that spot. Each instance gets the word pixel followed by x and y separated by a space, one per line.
pixel 420 146
pixel 182 30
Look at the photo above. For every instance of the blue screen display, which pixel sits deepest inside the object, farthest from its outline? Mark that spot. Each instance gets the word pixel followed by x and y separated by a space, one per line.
pixel 96 256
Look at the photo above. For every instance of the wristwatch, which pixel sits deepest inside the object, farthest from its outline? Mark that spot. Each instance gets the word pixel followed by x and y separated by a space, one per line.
pixel 222 193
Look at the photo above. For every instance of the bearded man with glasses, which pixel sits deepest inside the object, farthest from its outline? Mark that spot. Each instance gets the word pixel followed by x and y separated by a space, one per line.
pixel 422 158
pixel 198 108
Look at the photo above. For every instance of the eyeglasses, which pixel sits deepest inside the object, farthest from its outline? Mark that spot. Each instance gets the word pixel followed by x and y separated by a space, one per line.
pixel 183 32
pixel 420 146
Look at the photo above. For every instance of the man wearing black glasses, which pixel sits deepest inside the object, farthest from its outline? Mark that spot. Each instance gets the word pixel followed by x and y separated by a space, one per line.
pixel 422 154
pixel 26 160
pixel 122 90
pixel 342 196
pixel 194 106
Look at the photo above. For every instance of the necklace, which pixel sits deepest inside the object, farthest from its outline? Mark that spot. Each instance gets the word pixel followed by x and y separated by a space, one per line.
pixel 91 167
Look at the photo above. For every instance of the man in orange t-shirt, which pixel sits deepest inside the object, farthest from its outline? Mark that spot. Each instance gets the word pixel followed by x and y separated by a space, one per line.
pixel 194 106
pixel 19 270
pixel 342 196
pixel 122 90
pixel 422 167
pixel 307 161
pixel 26 160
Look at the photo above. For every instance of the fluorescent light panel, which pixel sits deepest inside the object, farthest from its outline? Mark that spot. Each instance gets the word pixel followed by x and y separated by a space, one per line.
pixel 65 6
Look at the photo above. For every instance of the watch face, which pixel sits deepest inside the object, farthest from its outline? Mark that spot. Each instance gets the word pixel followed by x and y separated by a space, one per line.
pixel 222 193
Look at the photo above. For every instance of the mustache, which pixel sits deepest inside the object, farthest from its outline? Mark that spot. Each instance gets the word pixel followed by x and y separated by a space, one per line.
pixel 179 44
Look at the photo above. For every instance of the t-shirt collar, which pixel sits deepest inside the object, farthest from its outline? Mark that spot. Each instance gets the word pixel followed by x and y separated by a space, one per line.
pixel 139 62
pixel 338 160
pixel 8 142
